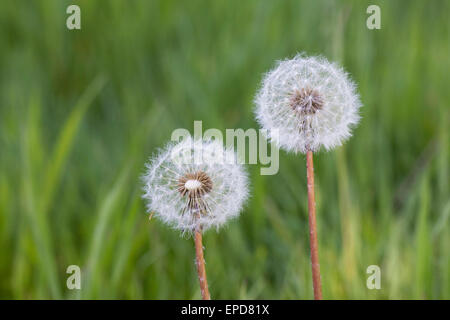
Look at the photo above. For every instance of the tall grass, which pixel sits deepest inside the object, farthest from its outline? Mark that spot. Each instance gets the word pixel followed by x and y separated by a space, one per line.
pixel 80 111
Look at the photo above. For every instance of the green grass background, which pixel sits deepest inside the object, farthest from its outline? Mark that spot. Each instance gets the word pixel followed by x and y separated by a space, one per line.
pixel 81 112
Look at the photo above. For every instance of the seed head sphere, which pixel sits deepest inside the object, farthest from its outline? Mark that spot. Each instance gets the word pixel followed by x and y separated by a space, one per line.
pixel 307 103
pixel 195 183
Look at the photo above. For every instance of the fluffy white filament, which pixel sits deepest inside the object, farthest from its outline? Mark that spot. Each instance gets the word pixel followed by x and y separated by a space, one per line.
pixel 168 195
pixel 312 79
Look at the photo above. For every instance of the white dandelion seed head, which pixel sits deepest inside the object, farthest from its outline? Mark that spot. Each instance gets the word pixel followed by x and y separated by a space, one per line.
pixel 195 183
pixel 310 103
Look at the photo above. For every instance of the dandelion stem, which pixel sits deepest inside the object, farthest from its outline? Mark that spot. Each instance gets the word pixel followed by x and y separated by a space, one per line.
pixel 312 227
pixel 200 262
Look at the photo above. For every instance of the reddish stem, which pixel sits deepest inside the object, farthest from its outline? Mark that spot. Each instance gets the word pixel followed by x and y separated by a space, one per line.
pixel 200 262
pixel 312 228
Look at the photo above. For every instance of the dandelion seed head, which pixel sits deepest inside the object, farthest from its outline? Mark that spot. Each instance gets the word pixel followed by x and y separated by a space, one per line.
pixel 311 102
pixel 195 183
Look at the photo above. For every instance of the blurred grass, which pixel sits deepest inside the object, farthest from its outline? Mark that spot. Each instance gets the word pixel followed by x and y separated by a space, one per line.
pixel 81 111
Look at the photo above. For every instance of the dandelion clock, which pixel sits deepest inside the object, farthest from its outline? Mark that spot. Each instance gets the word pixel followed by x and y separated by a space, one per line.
pixel 311 104
pixel 193 186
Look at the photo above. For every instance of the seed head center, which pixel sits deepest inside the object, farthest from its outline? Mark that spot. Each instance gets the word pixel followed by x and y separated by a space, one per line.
pixel 192 184
pixel 306 101
pixel 195 185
